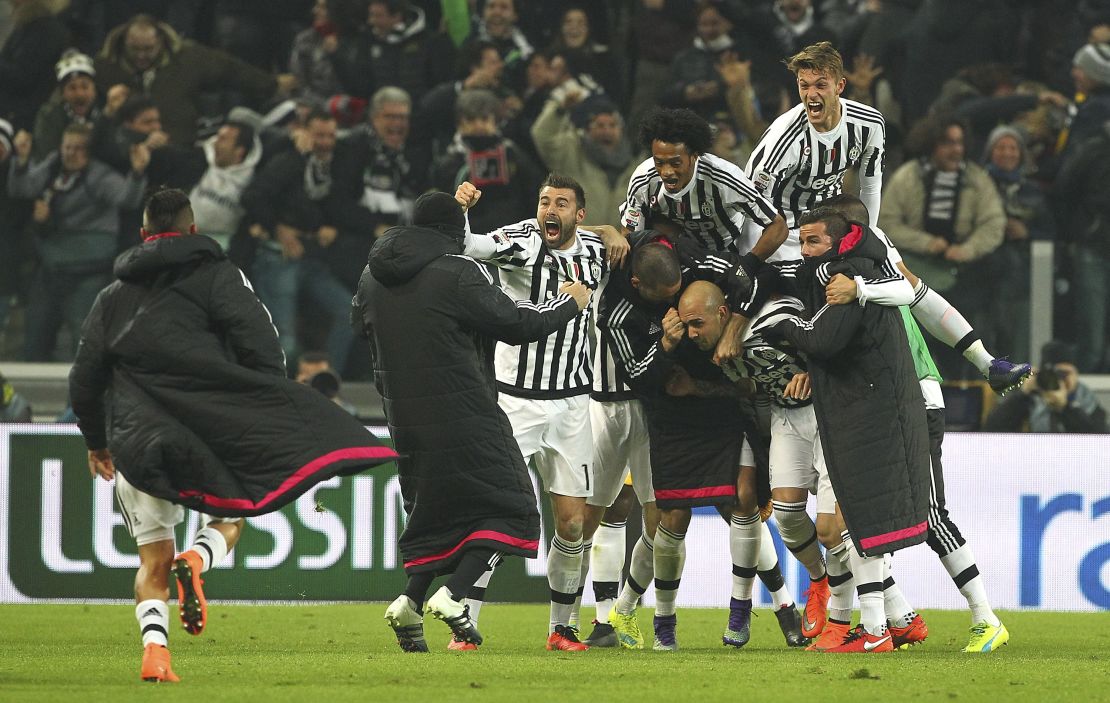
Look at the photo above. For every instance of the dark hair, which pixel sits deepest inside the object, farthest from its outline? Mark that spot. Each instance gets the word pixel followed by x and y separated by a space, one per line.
pixel 851 206
pixel 319 114
pixel 245 137
pixel 476 104
pixel 83 128
pixel 557 180
pixel 133 107
pixel 836 224
pixel 680 126
pixel 471 55
pixel 164 210
pixel 656 265
pixel 393 7
pixel 929 132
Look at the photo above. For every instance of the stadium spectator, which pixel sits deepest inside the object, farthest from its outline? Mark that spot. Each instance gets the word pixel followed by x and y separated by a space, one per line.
pixel 314 369
pixel 10 247
pixel 13 406
pixel 662 29
pixel 227 162
pixel 151 59
pixel 1053 400
pixel 1028 217
pixel 586 140
pixel 27 60
pixel 404 51
pixel 1090 73
pixel 945 216
pixel 587 57
pixel 481 155
pixel 74 101
pixel 75 222
pixel 695 78
pixel 482 68
pixel 310 61
pixel 287 206
pixel 498 26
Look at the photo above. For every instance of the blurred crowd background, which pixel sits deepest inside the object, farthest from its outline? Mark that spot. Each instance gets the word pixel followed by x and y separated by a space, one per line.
pixel 304 129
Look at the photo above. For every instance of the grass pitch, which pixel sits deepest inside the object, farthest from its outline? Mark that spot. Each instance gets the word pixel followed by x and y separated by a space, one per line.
pixel 328 653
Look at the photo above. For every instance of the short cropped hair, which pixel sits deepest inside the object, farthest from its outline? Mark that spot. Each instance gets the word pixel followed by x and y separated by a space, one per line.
pixel 681 126
pixel 475 104
pixel 164 210
pixel 558 180
pixel 656 265
pixel 821 57
pixel 848 205
pixel 389 95
pixel 836 224
pixel 133 107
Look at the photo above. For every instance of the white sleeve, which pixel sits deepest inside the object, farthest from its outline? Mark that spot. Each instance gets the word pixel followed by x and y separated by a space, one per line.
pixel 888 287
pixel 871 174
pixel 634 210
pixel 507 246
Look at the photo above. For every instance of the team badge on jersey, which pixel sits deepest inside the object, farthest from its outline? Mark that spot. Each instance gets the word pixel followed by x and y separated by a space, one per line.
pixel 632 218
pixel 762 182
pixel 707 209
pixel 853 153
pixel 655 329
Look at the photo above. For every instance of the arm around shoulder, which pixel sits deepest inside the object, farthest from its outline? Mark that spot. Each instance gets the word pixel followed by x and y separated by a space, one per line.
pixel 480 304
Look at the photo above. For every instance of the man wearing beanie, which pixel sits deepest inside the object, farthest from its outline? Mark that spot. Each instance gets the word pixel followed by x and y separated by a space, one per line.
pixel 74 101
pixel 1090 71
pixel 432 317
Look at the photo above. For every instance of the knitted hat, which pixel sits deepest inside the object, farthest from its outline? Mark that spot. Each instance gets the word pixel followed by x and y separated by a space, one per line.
pixel 1094 59
pixel 438 209
pixel 6 135
pixel 1004 131
pixel 73 62
pixel 246 117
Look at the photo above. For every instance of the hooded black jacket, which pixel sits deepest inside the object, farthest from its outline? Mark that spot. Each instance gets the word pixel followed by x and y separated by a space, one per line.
pixel 432 317
pixel 180 375
pixel 868 402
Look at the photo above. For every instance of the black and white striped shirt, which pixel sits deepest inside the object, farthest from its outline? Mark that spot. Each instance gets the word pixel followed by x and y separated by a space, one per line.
pixel 558 366
pixel 770 365
pixel 712 207
pixel 610 383
pixel 797 167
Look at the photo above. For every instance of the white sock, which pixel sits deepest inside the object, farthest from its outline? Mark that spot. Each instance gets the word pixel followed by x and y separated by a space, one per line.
pixel 606 562
pixel 868 572
pixel 670 557
pixel 211 545
pixel 641 572
pixel 744 539
pixel 587 547
pixel 476 596
pixel 840 584
pixel 947 324
pixel 154 621
pixel 768 570
pixel 899 613
pixel 799 534
pixel 961 566
pixel 564 572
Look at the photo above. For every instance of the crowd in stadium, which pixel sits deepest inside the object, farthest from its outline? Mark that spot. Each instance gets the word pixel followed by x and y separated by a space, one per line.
pixel 304 130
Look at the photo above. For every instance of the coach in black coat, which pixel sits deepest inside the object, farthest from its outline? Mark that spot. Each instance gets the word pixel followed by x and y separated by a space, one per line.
pixel 432 317
pixel 179 375
pixel 867 398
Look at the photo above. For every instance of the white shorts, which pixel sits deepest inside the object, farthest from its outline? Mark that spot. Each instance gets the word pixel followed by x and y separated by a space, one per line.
pixel 556 434
pixel 796 458
pixel 151 519
pixel 620 446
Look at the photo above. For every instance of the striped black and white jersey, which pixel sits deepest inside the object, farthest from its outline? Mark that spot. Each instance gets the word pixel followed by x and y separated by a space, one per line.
pixel 558 366
pixel 797 167
pixel 712 207
pixel 610 383
pixel 770 364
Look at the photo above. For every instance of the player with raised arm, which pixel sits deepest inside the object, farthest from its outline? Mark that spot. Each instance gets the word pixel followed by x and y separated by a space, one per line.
pixel 801 161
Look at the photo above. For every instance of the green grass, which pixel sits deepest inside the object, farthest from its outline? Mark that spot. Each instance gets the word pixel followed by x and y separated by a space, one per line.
pixel 327 653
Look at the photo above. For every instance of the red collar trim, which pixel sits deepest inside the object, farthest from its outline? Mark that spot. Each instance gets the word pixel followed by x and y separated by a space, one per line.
pixel 851 239
pixel 162 235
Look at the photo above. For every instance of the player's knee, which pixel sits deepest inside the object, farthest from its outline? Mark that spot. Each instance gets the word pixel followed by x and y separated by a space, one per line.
pixel 569 527
pixel 747 498
pixel 827 531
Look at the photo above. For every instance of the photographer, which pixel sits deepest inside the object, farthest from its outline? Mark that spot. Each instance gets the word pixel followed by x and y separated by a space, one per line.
pixel 1052 400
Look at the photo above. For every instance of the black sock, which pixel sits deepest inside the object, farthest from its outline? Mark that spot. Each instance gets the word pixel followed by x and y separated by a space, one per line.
pixel 472 565
pixel 417 587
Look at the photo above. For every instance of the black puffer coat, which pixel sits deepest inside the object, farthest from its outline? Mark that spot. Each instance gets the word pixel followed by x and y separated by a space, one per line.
pixel 180 375
pixel 870 411
pixel 432 317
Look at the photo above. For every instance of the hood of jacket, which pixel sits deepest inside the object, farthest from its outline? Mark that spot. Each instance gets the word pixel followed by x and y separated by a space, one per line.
pixel 856 254
pixel 405 251
pixel 163 253
pixel 112 49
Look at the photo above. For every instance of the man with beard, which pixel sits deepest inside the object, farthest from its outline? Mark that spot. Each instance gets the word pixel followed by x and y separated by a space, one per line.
pixel 869 408
pixel 545 386
pixel 431 316
pixel 585 139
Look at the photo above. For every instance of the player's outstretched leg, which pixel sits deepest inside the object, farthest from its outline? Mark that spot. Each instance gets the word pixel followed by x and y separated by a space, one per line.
pixel 210 547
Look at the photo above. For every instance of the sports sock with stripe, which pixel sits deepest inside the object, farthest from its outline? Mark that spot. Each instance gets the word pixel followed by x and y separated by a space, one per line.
pixel 564 572
pixel 899 612
pixel 799 534
pixel 476 596
pixel 641 571
pixel 670 558
pixel 606 562
pixel 211 545
pixel 587 549
pixel 868 572
pixel 767 568
pixel 154 621
pixel 840 584
pixel 743 543
pixel 961 566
